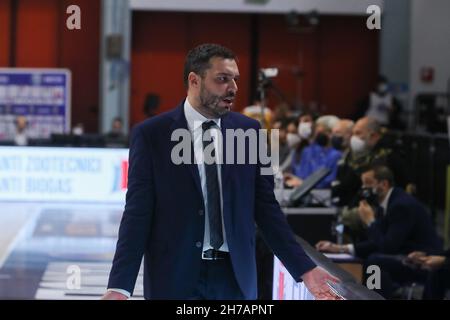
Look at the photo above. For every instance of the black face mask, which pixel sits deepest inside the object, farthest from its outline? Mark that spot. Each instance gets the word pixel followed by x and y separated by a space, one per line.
pixel 337 142
pixel 322 139
pixel 368 195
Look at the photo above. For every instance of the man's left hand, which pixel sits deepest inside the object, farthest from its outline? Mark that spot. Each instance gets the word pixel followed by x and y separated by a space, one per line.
pixel 432 263
pixel 316 282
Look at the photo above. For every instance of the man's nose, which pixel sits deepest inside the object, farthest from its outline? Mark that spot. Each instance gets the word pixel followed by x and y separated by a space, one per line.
pixel 233 86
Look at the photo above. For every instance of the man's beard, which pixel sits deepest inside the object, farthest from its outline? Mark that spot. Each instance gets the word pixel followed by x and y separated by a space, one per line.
pixel 210 102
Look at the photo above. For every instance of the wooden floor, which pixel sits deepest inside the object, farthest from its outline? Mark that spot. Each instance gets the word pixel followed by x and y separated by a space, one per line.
pixel 57 251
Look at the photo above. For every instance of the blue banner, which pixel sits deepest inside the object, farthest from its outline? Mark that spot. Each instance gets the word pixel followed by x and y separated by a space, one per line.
pixel 43 96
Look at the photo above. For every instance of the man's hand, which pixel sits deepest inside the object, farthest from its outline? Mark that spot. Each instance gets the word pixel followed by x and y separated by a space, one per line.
pixel 327 246
pixel 432 262
pixel 316 282
pixel 413 260
pixel 113 295
pixel 292 180
pixel 415 256
pixel 366 212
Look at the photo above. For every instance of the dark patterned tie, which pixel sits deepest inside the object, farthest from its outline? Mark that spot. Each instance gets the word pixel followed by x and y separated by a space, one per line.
pixel 213 191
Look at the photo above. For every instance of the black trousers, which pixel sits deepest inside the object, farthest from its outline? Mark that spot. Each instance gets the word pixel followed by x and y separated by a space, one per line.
pixel 438 282
pixel 217 282
pixel 393 273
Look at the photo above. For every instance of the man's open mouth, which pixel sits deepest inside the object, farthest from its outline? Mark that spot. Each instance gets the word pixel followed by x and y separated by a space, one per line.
pixel 228 101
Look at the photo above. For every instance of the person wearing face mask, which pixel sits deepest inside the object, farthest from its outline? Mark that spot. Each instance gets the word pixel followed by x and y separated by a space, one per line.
pixel 381 105
pixel 317 155
pixel 341 134
pixel 299 136
pixel 368 147
pixel 288 141
pixel 396 224
pixel 292 137
pixel 305 129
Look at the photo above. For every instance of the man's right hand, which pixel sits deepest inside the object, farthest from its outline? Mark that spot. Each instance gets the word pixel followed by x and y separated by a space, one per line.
pixel 113 295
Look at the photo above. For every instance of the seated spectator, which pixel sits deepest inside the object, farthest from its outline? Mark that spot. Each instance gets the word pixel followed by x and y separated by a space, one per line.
pixel 305 126
pixel 292 138
pixel 396 223
pixel 316 156
pixel 383 106
pixel 341 135
pixel 438 277
pixel 21 135
pixel 116 138
pixel 78 129
pixel 116 129
pixel 284 149
pixel 329 121
pixel 299 135
pixel 368 147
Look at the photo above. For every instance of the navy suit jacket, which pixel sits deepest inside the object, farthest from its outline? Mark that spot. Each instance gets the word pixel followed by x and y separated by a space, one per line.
pixel 163 218
pixel 406 227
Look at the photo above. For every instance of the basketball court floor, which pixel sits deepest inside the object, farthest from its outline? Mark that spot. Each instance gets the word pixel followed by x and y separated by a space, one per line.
pixel 57 250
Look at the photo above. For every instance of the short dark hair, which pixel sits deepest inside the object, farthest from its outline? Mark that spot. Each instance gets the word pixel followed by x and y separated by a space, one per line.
pixel 198 59
pixel 382 173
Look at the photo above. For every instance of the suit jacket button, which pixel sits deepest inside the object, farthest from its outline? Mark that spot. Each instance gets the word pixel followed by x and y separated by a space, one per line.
pixel 200 212
pixel 198 244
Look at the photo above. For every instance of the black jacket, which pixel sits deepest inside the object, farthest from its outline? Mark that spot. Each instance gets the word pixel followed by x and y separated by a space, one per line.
pixel 406 227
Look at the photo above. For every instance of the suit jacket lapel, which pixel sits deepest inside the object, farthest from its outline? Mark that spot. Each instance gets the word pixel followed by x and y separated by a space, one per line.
pixel 225 169
pixel 181 123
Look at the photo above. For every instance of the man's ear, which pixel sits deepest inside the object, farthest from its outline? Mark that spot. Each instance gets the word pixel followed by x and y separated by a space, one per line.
pixel 193 79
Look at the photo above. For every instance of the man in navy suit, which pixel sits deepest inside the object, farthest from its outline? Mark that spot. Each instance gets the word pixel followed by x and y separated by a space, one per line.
pixel 397 224
pixel 194 222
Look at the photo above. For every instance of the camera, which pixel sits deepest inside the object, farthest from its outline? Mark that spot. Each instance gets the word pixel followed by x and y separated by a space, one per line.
pixel 269 72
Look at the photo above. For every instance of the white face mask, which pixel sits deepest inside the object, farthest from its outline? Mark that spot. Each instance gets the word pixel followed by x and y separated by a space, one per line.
pixel 292 139
pixel 305 129
pixel 357 144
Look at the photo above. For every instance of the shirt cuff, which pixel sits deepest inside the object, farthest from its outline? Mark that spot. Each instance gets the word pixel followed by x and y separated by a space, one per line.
pixel 124 292
pixel 351 249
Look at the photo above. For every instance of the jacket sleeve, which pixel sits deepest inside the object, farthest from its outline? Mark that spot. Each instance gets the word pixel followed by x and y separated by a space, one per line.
pixel 390 241
pixel 135 226
pixel 275 229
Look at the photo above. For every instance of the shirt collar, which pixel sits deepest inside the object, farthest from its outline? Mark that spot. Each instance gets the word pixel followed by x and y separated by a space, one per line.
pixel 194 118
pixel 385 201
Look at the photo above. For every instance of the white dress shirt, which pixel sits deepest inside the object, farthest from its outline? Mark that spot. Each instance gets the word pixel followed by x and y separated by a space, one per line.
pixel 194 122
